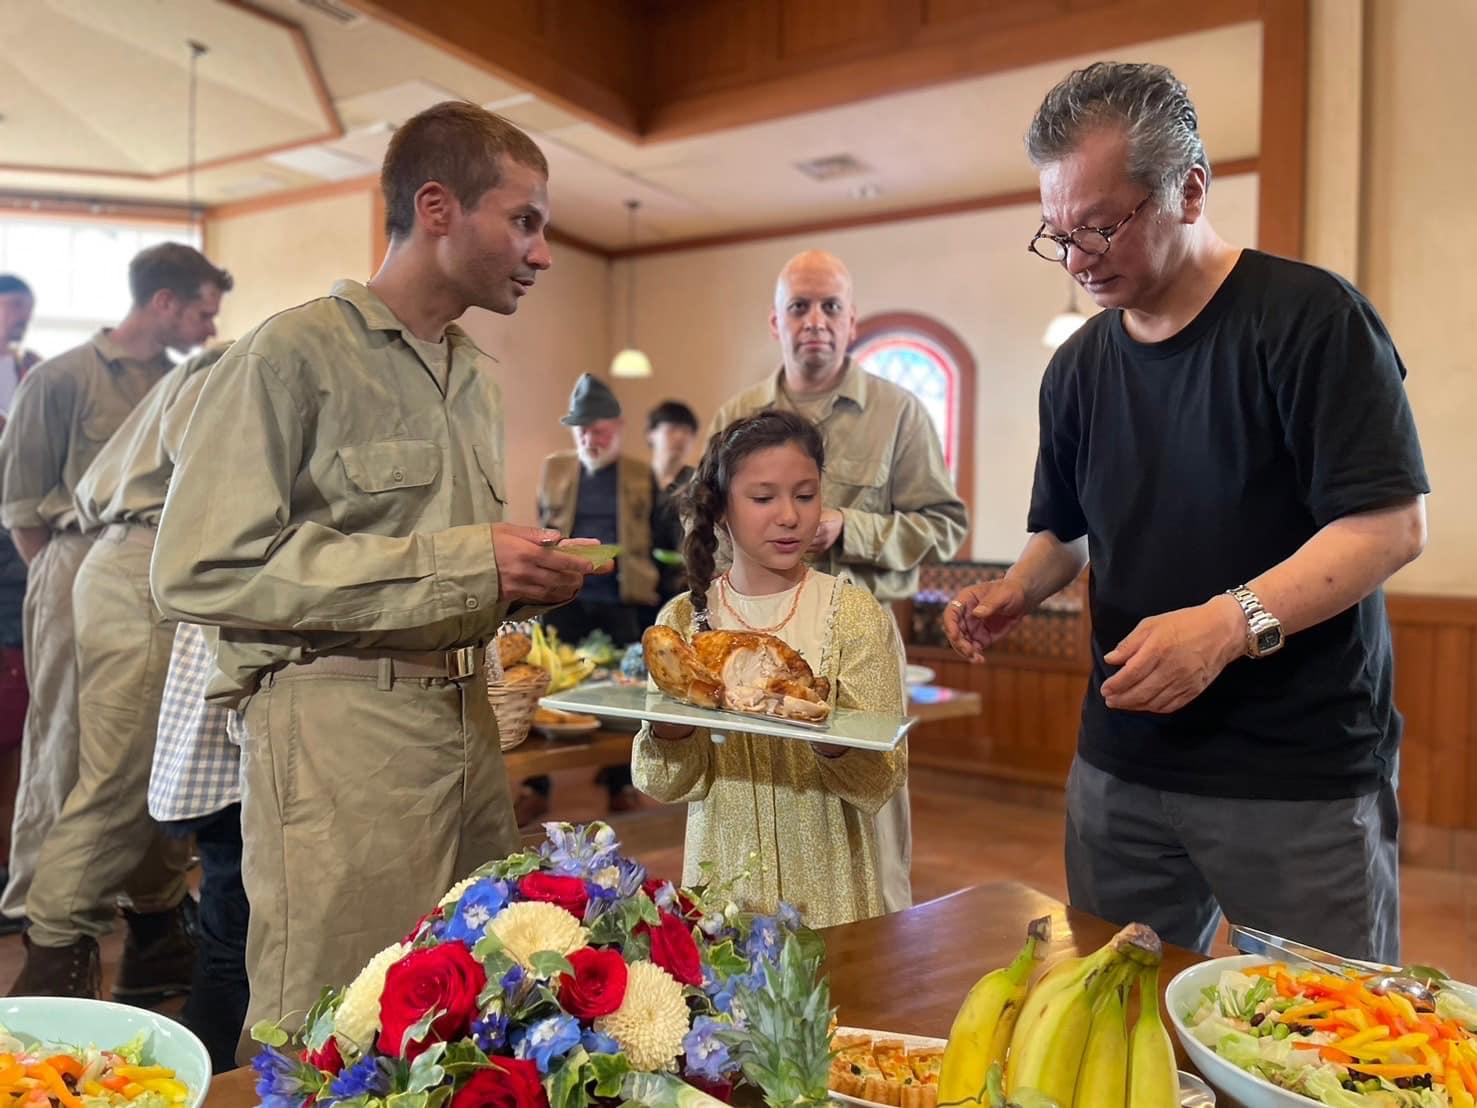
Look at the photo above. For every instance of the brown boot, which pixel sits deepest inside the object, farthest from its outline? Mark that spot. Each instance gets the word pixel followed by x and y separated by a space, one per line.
pixel 72 970
pixel 158 958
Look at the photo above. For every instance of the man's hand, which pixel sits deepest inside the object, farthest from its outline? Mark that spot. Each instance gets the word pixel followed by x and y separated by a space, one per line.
pixel 1168 660
pixel 828 533
pixel 983 614
pixel 532 573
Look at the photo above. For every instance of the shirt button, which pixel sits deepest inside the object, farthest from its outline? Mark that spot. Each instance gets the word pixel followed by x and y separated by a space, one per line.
pixel 471 602
pixel 398 476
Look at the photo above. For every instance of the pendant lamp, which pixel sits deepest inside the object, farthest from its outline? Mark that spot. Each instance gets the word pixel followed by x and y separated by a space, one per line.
pixel 631 362
pixel 1065 323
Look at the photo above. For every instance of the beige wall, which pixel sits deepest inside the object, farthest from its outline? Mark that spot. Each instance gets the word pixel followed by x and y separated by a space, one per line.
pixel 703 320
pixel 284 256
pixel 1419 225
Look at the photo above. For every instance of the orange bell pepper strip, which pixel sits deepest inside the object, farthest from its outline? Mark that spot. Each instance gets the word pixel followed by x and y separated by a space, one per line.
pixel 65 1065
pixel 1285 986
pixel 1391 1070
pixel 57 1087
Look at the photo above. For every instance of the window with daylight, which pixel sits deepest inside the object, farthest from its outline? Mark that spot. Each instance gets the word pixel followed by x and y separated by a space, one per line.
pixel 930 361
pixel 78 270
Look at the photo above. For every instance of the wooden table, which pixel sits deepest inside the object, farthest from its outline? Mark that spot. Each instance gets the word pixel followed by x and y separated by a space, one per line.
pixel 909 971
pixel 538 754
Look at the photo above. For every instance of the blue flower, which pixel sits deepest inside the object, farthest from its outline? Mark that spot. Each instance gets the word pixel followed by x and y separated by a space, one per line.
pixel 728 991
pixel 579 851
pixel 513 980
pixel 666 896
pixel 279 1079
pixel 789 916
pixel 596 1042
pixel 366 1077
pixel 490 1032
pixel 763 943
pixel 707 1054
pixel 474 911
pixel 548 1039
pixel 633 876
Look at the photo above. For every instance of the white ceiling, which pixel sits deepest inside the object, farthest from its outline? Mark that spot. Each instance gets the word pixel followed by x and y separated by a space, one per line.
pixel 938 144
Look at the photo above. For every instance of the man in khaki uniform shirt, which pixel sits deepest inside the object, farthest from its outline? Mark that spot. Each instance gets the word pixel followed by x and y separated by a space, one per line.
pixel 64 412
pixel 335 513
pixel 104 840
pixel 889 502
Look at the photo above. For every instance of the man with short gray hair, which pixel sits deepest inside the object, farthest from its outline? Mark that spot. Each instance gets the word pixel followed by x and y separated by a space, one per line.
pixel 1231 447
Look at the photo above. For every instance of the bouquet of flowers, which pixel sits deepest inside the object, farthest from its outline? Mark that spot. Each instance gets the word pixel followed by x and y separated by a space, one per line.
pixel 563 977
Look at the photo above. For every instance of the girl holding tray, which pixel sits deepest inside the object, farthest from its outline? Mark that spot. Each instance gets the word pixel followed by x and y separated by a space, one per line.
pixel 787 819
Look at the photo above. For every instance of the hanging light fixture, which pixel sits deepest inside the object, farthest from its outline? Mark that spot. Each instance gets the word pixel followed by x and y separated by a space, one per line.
pixel 631 362
pixel 197 51
pixel 1065 323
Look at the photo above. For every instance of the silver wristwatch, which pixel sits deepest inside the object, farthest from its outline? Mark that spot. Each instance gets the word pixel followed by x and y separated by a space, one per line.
pixel 1263 629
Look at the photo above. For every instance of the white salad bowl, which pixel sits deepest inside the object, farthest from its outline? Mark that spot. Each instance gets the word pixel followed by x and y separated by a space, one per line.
pixel 1183 997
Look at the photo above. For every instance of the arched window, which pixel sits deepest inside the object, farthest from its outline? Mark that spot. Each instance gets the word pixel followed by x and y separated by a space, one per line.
pixel 930 361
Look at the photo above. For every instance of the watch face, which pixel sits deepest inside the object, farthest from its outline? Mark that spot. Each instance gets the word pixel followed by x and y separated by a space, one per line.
pixel 1268 640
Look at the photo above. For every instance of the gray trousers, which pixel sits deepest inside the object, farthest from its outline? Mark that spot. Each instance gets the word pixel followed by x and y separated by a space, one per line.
pixel 104 842
pixel 49 746
pixel 1323 872
pixel 360 807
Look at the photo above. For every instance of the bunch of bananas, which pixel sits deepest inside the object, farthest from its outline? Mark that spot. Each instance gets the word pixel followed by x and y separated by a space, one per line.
pixel 1065 1040
pixel 566 668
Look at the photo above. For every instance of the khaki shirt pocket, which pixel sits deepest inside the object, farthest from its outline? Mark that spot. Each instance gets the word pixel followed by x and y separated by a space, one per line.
pixel 859 483
pixel 493 473
pixel 389 484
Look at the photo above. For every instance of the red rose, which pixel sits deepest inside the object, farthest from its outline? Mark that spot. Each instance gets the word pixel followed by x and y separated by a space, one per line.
pixel 567 892
pixel 444 977
pixel 514 1084
pixel 673 948
pixel 598 985
pixel 689 910
pixel 327 1058
pixel 433 914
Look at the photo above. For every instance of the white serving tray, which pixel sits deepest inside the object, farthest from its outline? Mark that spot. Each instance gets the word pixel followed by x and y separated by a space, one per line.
pixel 846 727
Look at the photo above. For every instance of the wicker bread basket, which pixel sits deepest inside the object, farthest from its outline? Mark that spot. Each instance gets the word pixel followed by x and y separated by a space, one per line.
pixel 514 696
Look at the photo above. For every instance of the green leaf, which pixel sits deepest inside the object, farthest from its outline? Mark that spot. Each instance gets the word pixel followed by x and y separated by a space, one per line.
pixel 566 1084
pixel 407 1100
pixel 608 1071
pixel 489 946
pixel 548 963
pixel 463 1057
pixel 438 1096
pixel 420 1029
pixel 726 961
pixel 426 1071
pixel 269 1033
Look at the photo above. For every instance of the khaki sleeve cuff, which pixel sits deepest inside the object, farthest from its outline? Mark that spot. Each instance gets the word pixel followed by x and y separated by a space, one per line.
pixel 466 569
pixel 22 513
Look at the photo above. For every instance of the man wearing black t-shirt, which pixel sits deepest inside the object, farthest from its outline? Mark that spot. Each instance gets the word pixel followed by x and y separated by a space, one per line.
pixel 1230 448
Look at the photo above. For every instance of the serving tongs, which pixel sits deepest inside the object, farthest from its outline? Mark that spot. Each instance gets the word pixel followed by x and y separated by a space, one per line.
pixel 1387 979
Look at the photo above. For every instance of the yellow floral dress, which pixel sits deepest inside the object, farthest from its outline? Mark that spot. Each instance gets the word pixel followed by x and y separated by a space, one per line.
pixel 800 823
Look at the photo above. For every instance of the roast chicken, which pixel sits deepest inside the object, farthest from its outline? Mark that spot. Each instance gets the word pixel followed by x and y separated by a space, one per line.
pixel 741 671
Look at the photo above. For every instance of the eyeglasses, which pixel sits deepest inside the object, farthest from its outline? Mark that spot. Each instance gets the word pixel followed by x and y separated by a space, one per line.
pixel 1093 241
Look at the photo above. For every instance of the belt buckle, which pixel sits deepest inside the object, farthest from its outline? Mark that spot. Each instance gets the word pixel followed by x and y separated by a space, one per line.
pixel 461 662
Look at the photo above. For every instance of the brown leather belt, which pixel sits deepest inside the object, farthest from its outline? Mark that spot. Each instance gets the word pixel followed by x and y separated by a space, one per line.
pixel 443 665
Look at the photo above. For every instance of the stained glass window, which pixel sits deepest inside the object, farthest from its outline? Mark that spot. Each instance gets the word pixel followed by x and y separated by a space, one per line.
pixel 919 365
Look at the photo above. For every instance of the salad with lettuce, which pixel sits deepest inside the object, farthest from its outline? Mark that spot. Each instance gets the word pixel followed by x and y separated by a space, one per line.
pixel 56 1075
pixel 1332 1040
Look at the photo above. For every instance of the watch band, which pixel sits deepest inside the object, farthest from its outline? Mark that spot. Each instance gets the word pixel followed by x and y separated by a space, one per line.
pixel 1258 619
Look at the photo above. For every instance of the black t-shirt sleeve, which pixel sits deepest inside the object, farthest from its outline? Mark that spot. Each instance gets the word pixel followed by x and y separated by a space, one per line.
pixel 1055 504
pixel 1346 419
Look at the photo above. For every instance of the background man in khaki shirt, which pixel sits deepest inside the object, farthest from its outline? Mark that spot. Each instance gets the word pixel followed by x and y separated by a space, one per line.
pixel 63 413
pixel 104 840
pixel 890 503
pixel 335 513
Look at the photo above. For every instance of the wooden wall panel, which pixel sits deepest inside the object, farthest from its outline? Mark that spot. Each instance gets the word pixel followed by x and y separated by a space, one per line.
pixel 833 29
pixel 1028 729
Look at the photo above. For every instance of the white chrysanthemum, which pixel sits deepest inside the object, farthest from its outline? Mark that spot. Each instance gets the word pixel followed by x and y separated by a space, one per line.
pixel 652 1019
pixel 358 1016
pixel 534 925
pixel 456 891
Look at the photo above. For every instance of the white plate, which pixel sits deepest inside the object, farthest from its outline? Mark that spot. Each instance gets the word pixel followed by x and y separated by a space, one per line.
pixel 918 675
pixel 846 727
pixel 1194 1093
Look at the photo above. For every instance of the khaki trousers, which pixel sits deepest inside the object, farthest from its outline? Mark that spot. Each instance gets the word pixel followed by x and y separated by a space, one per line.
pixel 360 807
pixel 49 745
pixel 104 842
